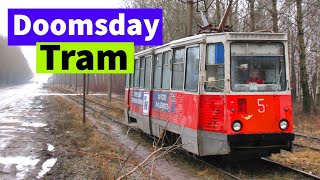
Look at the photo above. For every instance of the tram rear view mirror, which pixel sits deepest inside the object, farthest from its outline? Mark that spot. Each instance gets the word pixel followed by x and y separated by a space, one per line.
pixel 244 67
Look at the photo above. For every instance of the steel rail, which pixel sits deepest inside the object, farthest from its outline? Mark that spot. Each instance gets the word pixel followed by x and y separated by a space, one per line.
pixel 99 103
pixel 307 136
pixel 304 173
pixel 104 105
pixel 304 146
pixel 215 167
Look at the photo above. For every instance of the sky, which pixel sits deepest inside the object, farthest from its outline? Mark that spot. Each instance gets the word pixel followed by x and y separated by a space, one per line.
pixel 30 51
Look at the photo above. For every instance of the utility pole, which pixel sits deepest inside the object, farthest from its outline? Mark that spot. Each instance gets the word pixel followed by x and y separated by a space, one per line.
pixel 84 99
pixel 109 87
pixel 189 17
pixel 88 85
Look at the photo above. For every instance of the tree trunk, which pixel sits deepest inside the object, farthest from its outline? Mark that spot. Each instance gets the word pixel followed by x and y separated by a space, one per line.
pixel 252 18
pixel 189 17
pixel 303 67
pixel 235 28
pixel 218 11
pixel 293 74
pixel 274 16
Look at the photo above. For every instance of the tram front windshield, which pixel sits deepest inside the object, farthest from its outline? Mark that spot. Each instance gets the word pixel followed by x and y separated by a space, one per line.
pixel 257 67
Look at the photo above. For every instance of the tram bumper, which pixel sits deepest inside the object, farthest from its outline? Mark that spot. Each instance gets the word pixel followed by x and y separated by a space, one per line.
pixel 271 142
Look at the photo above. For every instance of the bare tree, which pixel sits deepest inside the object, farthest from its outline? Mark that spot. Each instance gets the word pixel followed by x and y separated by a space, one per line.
pixel 302 56
pixel 252 15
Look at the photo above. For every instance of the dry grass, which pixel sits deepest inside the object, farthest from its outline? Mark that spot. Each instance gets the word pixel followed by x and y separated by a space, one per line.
pixel 85 140
pixel 307 124
pixel 307 160
pixel 115 103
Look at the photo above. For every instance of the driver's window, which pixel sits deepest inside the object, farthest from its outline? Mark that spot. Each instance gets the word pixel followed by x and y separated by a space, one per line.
pixel 215 68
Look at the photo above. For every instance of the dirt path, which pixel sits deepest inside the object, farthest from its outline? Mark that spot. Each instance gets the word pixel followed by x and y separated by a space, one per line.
pixel 23 137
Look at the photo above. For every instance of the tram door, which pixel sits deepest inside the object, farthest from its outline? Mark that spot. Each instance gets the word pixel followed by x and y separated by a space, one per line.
pixel 127 92
pixel 146 122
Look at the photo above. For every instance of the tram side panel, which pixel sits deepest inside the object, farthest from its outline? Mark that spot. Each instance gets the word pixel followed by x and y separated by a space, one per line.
pixel 176 112
pixel 212 126
pixel 139 113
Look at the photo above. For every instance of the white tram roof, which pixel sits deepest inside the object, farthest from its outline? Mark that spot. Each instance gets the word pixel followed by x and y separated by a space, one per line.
pixel 216 37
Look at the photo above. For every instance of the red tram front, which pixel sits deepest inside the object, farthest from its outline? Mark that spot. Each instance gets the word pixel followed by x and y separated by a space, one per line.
pixel 218 94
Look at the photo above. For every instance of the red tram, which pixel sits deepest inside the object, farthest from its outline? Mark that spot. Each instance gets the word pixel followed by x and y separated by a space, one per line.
pixel 221 93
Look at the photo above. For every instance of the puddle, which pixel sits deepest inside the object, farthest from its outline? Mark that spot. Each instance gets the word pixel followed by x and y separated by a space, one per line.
pixel 46 166
pixel 6 135
pixel 11 129
pixel 6 127
pixel 22 164
pixel 13 123
pixel 13 115
pixel 50 147
pixel 31 116
pixel 33 124
pixel 4 141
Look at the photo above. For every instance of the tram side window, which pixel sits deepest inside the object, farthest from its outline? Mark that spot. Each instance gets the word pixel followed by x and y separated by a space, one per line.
pixel 166 70
pixel 192 70
pixel 157 71
pixel 142 65
pixel 147 73
pixel 215 68
pixel 178 69
pixel 137 73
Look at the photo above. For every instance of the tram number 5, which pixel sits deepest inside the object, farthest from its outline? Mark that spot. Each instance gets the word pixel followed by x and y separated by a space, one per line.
pixel 261 106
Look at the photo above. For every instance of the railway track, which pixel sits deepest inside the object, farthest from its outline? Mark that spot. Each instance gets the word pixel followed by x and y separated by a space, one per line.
pixel 307 136
pixel 230 175
pixel 96 102
pixel 304 173
pixel 308 147
pixel 310 139
pixel 79 101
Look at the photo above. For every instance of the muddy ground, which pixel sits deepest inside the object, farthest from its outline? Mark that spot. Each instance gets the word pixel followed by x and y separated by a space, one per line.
pixel 43 137
pixel 24 146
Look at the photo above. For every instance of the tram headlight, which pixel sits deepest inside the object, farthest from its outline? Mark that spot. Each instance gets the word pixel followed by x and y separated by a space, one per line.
pixel 236 126
pixel 284 124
